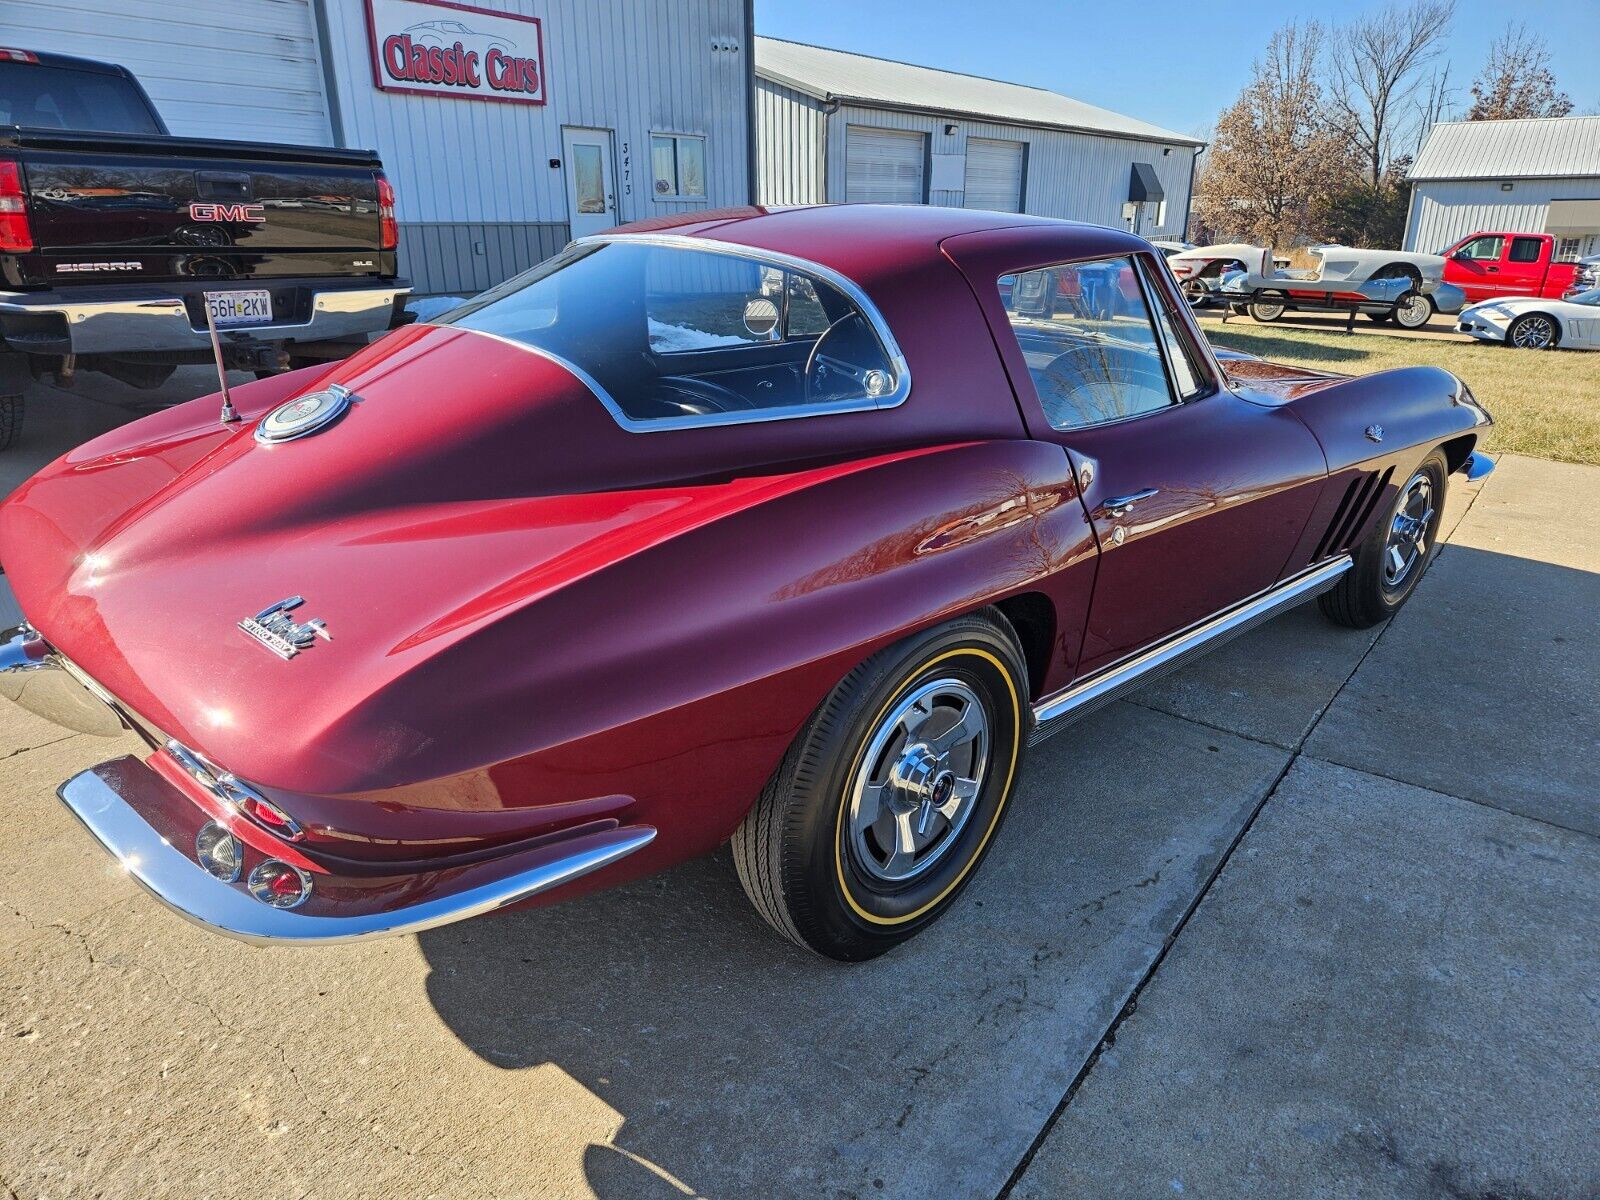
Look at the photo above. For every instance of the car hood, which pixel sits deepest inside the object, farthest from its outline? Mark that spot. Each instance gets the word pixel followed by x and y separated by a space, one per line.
pixel 470 477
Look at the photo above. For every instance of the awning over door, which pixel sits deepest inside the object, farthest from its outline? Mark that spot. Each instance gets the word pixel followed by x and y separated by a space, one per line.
pixel 1573 216
pixel 994 175
pixel 884 166
pixel 1144 187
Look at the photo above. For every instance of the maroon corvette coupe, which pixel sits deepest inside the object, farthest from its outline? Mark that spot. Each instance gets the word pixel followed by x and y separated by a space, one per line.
pixel 788 527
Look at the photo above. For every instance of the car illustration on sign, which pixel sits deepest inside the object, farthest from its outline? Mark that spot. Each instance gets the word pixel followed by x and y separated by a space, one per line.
pixel 628 559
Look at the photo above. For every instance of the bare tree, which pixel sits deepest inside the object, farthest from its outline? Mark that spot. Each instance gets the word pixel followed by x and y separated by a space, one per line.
pixel 1273 150
pixel 1516 80
pixel 1375 69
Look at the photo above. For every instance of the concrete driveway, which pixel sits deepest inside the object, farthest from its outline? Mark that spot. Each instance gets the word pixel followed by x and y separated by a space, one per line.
pixel 1319 916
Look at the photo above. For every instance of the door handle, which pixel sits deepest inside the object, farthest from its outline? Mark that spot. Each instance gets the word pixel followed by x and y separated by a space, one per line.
pixel 1118 506
pixel 1496 270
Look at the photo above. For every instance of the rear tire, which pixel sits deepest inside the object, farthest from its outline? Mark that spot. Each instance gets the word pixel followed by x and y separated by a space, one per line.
pixel 11 410
pixel 1391 558
pixel 889 798
pixel 1267 311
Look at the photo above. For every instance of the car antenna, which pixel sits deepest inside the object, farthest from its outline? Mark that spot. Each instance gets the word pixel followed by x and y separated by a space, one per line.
pixel 229 413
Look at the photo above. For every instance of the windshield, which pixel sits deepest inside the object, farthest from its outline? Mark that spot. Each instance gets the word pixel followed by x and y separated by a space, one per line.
pixel 671 336
pixel 1591 297
pixel 43 97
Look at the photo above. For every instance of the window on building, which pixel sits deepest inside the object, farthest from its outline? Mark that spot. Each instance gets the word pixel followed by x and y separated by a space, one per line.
pixel 1567 249
pixel 1092 345
pixel 669 336
pixel 1483 249
pixel 1525 250
pixel 679 165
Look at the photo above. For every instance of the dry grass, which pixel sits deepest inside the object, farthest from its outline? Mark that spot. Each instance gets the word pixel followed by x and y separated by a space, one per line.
pixel 1545 404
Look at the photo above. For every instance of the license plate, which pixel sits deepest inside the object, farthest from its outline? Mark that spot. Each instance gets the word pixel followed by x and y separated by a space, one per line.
pixel 240 308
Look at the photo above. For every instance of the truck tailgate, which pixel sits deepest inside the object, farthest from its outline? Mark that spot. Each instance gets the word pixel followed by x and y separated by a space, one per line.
pixel 106 208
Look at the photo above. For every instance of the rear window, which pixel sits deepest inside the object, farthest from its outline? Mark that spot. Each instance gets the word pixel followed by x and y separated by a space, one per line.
pixel 43 97
pixel 671 336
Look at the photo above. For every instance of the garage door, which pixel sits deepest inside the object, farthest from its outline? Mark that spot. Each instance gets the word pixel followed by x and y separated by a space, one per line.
pixel 883 166
pixel 244 69
pixel 994 175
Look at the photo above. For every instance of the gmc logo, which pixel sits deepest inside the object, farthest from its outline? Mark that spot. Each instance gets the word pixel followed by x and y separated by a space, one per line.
pixel 205 211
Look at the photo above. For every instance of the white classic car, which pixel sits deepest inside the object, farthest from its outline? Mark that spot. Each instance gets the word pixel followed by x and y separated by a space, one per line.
pixel 1532 323
pixel 1383 284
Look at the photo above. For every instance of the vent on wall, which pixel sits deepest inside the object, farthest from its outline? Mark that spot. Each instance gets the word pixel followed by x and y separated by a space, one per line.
pixel 1351 517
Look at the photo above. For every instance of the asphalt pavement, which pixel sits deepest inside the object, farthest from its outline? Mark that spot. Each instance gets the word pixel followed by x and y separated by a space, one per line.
pixel 1318 916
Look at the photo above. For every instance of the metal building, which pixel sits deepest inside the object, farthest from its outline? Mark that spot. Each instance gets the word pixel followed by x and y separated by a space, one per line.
pixel 1535 175
pixel 834 126
pixel 506 126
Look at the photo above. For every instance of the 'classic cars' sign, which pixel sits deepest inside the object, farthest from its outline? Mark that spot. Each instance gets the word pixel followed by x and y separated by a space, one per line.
pixel 434 48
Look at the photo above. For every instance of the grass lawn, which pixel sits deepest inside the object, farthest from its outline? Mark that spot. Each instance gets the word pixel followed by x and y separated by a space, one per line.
pixel 1545 403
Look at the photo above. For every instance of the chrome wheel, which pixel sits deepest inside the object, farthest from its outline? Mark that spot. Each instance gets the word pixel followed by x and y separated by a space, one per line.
pixel 1410 531
pixel 1196 293
pixel 1266 311
pixel 918 780
pixel 1534 332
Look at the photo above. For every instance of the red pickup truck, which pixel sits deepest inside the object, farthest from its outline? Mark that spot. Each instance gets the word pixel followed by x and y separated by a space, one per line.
pixel 1490 265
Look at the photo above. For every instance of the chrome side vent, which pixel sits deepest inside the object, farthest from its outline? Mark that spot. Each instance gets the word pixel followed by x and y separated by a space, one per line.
pixel 1351 517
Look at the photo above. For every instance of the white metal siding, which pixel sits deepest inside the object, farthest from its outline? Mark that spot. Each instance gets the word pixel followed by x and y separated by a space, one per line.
pixel 240 69
pixel 884 166
pixel 1444 211
pixel 1078 176
pixel 994 175
pixel 610 64
pixel 790 150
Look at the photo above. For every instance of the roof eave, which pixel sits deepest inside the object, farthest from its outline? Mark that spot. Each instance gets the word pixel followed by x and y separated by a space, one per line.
pixel 994 119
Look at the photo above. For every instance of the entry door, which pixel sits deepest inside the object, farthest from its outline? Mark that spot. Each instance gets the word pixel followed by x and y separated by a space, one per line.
pixel 1197 497
pixel 591 197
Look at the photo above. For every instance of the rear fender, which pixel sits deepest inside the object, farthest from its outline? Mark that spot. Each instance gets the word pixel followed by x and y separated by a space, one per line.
pixel 679 675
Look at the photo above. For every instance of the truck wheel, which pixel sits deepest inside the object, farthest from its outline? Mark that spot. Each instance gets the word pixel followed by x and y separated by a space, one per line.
pixel 889 798
pixel 1533 331
pixel 1391 559
pixel 1413 310
pixel 11 409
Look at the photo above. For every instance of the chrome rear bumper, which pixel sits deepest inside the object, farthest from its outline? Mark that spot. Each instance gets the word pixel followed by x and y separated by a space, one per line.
pixel 36 677
pixel 157 321
pixel 108 799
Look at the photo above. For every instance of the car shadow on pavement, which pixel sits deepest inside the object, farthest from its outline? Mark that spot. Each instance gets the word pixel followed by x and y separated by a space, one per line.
pixel 737 1062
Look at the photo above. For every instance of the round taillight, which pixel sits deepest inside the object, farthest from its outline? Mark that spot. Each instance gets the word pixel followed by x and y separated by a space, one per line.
pixel 219 852
pixel 279 885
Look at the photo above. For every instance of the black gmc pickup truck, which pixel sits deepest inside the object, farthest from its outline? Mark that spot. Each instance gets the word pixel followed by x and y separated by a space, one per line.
pixel 115 237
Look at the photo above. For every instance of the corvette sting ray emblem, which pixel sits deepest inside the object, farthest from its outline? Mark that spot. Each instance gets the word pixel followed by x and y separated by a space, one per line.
pixel 275 629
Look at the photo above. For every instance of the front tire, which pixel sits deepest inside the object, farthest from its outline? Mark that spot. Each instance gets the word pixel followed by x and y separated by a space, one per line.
pixel 1413 310
pixel 1533 331
pixel 1267 311
pixel 1391 559
pixel 890 797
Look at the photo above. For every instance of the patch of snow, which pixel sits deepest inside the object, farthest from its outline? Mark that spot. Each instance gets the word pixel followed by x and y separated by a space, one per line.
pixel 680 337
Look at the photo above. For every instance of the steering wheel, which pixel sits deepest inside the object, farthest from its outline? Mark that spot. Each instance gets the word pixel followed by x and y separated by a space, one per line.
pixel 807 386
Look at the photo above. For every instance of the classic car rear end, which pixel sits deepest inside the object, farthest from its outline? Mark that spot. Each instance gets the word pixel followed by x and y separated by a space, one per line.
pixel 686 536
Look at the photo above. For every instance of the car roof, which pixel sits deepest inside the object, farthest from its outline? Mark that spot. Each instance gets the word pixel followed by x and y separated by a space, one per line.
pixel 44 58
pixel 872 244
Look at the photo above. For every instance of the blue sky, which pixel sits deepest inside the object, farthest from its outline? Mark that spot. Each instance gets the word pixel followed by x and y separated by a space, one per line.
pixel 1175 63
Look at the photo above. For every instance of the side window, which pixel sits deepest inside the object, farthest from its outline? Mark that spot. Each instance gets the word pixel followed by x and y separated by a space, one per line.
pixel 1089 341
pixel 1525 250
pixel 1484 249
pixel 1183 359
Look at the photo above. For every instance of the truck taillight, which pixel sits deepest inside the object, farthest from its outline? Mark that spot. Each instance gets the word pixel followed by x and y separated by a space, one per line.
pixel 9 55
pixel 389 228
pixel 15 236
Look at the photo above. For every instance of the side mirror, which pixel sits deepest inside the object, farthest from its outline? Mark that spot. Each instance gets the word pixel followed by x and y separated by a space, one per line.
pixel 761 317
pixel 1462 255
